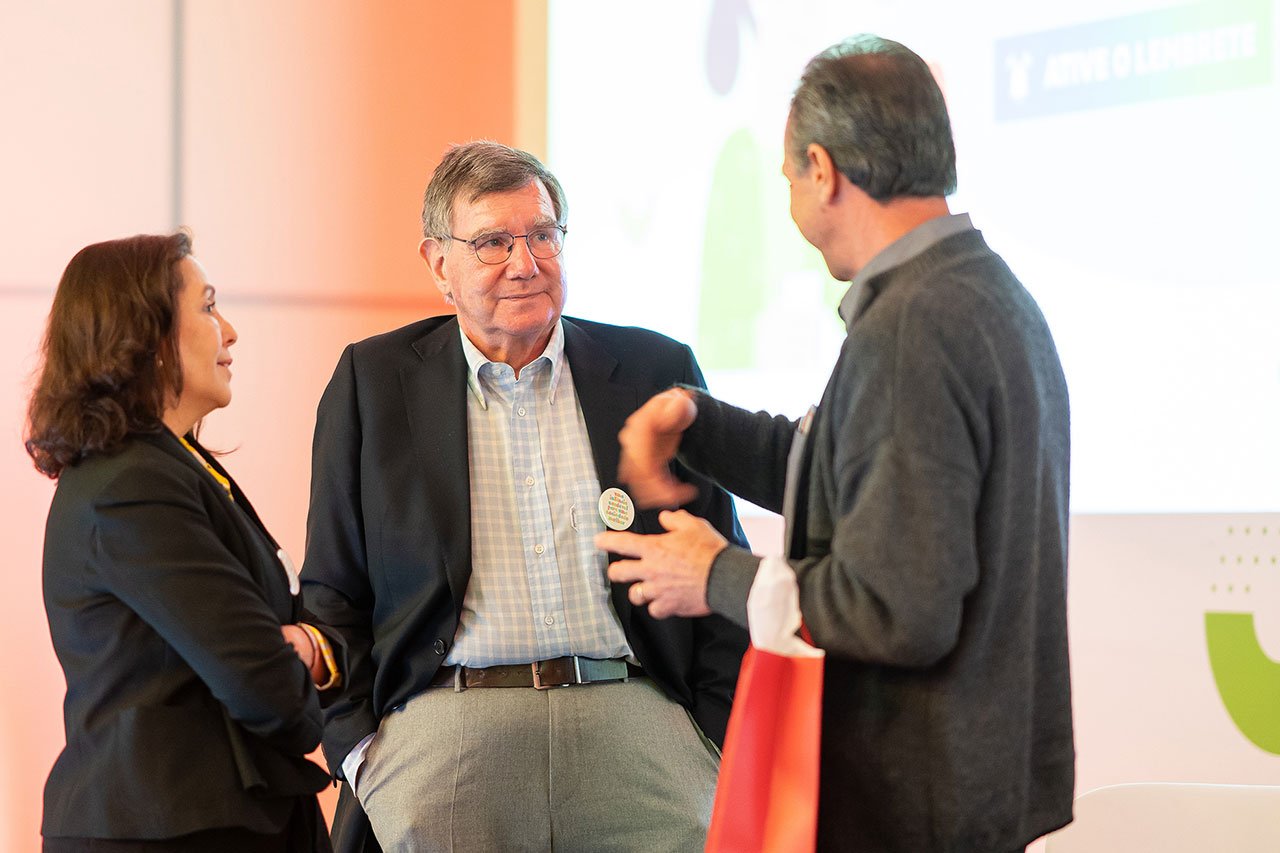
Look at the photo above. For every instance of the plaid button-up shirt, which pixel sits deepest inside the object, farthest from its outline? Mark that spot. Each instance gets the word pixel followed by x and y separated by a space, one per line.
pixel 538 587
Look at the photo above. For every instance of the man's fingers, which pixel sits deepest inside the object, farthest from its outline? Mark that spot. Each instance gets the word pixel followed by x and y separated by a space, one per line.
pixel 676 410
pixel 682 493
pixel 666 492
pixel 671 411
pixel 634 468
pixel 662 490
pixel 622 543
pixel 660 609
pixel 676 519
pixel 649 440
pixel 623 571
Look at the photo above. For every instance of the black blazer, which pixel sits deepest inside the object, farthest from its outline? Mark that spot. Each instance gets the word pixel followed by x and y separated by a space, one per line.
pixel 185 709
pixel 389 530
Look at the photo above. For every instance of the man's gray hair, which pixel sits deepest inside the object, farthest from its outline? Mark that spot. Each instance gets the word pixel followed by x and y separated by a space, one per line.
pixel 477 169
pixel 875 107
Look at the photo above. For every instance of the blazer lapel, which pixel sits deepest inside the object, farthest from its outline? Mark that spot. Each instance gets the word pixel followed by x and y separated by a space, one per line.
pixel 605 403
pixel 269 572
pixel 434 391
pixel 605 406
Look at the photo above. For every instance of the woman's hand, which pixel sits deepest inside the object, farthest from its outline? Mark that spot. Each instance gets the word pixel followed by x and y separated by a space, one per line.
pixel 302 643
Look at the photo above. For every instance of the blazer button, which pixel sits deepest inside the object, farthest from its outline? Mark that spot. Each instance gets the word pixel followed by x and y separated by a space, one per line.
pixel 439 647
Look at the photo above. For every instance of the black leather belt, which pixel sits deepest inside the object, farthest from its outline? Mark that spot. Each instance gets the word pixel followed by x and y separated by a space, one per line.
pixel 541 674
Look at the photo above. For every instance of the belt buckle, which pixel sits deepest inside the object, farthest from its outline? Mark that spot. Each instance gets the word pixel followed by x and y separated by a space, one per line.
pixel 536 666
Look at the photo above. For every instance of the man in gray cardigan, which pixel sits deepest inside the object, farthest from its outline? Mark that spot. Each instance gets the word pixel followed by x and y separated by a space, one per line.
pixel 927 497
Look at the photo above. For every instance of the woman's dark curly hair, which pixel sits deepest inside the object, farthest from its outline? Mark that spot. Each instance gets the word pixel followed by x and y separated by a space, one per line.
pixel 110 355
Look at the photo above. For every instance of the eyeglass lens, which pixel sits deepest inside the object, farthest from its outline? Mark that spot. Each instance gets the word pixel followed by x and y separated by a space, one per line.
pixel 496 247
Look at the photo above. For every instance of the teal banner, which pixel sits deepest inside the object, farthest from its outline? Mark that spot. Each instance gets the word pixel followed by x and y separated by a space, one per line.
pixel 1188 50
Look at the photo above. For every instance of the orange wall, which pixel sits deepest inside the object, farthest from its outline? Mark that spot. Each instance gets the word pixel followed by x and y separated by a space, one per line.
pixel 308 131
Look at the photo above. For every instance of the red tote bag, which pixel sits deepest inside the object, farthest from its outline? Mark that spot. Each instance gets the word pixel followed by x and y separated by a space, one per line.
pixel 767 795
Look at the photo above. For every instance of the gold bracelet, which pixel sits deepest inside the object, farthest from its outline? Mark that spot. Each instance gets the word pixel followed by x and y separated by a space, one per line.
pixel 326 652
pixel 315 647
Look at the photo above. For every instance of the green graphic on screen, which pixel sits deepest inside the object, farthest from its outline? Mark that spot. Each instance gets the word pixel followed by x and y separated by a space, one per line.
pixel 1248 680
pixel 750 248
pixel 733 263
pixel 750 245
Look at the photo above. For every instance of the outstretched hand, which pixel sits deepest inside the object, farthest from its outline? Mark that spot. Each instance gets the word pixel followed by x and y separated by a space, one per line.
pixel 670 569
pixel 649 441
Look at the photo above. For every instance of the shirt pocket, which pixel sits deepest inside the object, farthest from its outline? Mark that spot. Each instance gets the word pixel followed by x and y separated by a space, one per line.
pixel 584 524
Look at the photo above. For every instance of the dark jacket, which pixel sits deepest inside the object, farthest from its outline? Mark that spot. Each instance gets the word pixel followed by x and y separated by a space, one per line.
pixel 389 531
pixel 186 709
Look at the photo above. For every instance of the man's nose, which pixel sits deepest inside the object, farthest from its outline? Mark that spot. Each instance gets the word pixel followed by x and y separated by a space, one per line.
pixel 522 263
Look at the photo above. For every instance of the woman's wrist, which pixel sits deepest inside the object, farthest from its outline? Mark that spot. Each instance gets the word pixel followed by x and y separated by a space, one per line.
pixel 315 665
pixel 325 668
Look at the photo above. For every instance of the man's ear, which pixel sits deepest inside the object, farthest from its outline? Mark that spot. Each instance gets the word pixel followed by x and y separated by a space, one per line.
pixel 434 255
pixel 822 172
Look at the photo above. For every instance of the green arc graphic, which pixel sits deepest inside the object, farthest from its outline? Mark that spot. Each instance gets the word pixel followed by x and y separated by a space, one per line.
pixel 1248 681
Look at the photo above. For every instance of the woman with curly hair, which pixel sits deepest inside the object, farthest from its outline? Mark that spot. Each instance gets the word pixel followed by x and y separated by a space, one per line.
pixel 191 681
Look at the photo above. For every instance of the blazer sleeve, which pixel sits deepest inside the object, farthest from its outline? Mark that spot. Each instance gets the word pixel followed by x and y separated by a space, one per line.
pixel 335 573
pixel 153 547
pixel 718 643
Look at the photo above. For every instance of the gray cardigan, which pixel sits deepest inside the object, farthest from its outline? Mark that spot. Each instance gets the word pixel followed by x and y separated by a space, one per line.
pixel 931 554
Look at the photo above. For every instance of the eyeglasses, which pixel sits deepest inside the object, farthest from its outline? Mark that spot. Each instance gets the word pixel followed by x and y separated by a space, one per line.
pixel 496 246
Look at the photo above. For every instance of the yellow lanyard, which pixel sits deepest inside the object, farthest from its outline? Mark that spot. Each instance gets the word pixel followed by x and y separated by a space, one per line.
pixel 222 481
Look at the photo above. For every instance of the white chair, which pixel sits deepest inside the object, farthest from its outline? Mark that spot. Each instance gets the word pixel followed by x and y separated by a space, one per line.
pixel 1173 817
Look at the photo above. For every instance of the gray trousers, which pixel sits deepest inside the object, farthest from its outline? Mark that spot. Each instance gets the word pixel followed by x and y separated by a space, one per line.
pixel 593 767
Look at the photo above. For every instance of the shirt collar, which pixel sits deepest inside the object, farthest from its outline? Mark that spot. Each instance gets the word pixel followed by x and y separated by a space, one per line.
pixel 553 353
pixel 915 242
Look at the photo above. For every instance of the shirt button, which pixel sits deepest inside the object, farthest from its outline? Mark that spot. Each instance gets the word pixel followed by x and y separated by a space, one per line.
pixel 439 646
pixel 549 620
pixel 520 411
pixel 528 481
pixel 538 549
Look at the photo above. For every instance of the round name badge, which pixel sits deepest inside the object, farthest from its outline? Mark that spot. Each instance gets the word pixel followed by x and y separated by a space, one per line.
pixel 290 571
pixel 616 509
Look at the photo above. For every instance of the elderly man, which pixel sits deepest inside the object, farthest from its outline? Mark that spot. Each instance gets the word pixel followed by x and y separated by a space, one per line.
pixel 926 498
pixel 462 467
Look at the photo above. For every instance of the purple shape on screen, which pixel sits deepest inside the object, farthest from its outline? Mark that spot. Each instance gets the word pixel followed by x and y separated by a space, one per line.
pixel 724 42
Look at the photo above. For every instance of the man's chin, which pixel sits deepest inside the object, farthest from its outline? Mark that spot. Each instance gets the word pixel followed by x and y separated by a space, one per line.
pixel 531 318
